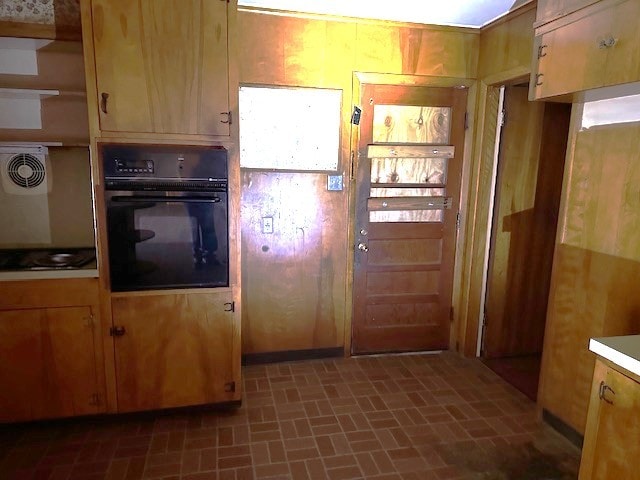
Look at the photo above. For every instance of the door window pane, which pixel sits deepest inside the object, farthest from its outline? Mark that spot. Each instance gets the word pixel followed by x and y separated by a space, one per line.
pixel 409 170
pixel 411 124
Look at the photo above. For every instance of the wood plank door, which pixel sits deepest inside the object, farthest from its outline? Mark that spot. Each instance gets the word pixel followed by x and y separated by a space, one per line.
pixel 528 188
pixel 407 188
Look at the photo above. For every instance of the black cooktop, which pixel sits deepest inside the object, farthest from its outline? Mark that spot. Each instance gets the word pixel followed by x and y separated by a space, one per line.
pixel 46 258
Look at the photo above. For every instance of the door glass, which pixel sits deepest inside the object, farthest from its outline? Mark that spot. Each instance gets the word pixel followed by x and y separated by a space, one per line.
pixel 408 177
pixel 408 170
pixel 411 124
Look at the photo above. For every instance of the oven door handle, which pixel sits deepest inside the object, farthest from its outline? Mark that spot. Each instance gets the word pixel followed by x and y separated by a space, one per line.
pixel 159 199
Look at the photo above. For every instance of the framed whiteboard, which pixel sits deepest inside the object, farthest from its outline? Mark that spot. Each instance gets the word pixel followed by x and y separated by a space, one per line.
pixel 289 128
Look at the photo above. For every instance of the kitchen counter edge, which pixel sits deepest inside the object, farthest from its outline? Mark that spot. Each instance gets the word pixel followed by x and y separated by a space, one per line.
pixel 49 274
pixel 623 351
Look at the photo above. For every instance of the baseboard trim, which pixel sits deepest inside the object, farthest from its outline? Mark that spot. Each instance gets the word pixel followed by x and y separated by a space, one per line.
pixel 291 355
pixel 562 428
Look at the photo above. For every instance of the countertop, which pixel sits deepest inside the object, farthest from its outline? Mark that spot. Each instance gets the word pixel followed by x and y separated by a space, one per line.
pixel 48 274
pixel 623 351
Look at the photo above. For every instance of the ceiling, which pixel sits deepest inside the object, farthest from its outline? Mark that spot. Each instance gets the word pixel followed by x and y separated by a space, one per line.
pixel 464 13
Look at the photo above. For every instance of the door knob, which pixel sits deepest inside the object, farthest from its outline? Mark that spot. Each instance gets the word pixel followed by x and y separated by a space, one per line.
pixel 363 247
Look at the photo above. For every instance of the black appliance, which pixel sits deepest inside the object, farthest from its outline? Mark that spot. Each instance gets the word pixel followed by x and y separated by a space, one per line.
pixel 167 211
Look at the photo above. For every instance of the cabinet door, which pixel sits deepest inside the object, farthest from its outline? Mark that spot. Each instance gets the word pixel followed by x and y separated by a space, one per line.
pixel 570 59
pixel 612 437
pixel 161 65
pixel 47 364
pixel 623 56
pixel 551 9
pixel 176 350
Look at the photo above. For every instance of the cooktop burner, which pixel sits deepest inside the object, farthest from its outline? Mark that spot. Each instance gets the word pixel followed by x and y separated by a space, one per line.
pixel 45 259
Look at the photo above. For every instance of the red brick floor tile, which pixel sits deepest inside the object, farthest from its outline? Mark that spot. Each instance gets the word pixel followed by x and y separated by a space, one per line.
pixel 396 417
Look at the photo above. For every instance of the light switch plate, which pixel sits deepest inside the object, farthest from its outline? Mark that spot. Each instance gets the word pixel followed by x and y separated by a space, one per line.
pixel 267 224
pixel 334 183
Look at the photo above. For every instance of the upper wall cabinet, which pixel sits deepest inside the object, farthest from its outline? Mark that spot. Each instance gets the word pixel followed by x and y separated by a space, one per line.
pixel 549 10
pixel 594 47
pixel 161 66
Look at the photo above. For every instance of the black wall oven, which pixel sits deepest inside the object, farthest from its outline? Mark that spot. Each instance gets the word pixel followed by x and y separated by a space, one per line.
pixel 166 209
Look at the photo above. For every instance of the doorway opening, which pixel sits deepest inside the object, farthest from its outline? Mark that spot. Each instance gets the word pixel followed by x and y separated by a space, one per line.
pixel 529 167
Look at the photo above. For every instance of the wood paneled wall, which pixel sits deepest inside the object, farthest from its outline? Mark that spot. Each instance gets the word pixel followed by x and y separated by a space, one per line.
pixel 507 44
pixel 597 262
pixel 296 281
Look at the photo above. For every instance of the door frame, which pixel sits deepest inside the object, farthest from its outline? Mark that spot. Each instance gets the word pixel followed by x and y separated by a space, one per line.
pixel 359 79
pixel 480 209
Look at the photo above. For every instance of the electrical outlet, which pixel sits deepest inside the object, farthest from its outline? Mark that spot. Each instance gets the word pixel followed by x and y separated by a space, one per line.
pixel 267 224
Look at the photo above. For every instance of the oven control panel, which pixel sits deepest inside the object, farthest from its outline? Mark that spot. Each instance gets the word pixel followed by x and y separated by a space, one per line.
pixel 131 165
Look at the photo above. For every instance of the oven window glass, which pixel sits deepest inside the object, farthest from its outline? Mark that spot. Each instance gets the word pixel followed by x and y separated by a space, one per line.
pixel 180 242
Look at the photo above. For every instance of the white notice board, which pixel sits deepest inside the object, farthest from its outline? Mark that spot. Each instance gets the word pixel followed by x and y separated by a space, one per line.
pixel 290 128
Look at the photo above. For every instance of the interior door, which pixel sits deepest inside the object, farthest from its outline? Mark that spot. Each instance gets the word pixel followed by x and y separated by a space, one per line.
pixel 408 185
pixel 528 188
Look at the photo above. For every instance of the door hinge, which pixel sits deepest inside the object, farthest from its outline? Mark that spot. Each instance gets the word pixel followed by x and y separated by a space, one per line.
pixel 466 120
pixel 230 307
pixel 451 314
pixel 458 221
pixel 503 118
pixel 117 331
pixel 94 400
pixel 230 387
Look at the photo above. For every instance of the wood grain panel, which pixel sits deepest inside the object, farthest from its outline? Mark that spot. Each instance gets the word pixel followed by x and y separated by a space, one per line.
pixel 293 279
pixel 49 366
pixel 280 50
pixel 178 349
pixel 401 252
pixel 581 307
pixel 391 283
pixel 613 429
pixel 402 313
pixel 64 292
pixel 508 44
pixel 416 51
pixel 163 65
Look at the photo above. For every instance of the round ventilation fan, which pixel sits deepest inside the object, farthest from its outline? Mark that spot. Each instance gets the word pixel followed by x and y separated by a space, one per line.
pixel 26 170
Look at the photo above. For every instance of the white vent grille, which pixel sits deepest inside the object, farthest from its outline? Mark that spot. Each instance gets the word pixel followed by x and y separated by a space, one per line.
pixel 24 171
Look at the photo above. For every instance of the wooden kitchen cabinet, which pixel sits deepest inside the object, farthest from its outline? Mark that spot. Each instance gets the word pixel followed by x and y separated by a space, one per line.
pixel 161 66
pixel 51 355
pixel 595 47
pixel 48 364
pixel 185 349
pixel 548 10
pixel 612 437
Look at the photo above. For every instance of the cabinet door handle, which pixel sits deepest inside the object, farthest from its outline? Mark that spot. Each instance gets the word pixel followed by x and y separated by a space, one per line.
pixel 602 392
pixel 541 52
pixel 228 120
pixel 539 79
pixel 607 42
pixel 103 102
pixel 117 331
pixel 230 307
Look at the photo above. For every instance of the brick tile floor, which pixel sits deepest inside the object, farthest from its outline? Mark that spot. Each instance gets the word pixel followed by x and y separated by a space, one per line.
pixel 392 417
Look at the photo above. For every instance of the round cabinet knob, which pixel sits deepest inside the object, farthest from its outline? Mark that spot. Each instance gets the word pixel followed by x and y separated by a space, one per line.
pixel 363 247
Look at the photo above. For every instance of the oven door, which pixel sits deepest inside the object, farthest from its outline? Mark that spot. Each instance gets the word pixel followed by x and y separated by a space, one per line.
pixel 159 240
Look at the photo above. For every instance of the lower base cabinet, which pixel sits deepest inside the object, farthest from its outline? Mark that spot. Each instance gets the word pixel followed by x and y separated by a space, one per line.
pixel 174 350
pixel 612 437
pixel 48 366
